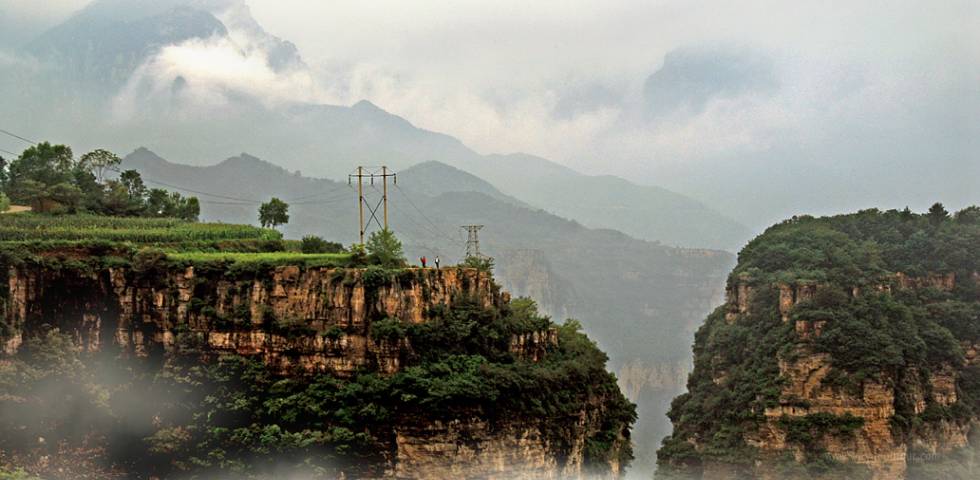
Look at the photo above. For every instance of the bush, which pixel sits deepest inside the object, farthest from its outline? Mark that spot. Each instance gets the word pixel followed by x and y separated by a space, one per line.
pixel 315 244
pixel 384 249
pixel 483 264
pixel 390 329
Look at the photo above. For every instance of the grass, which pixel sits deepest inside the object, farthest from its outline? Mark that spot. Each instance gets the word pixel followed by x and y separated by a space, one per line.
pixel 276 258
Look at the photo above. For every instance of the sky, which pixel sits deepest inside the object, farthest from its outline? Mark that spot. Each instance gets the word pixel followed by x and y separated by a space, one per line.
pixel 498 74
pixel 669 92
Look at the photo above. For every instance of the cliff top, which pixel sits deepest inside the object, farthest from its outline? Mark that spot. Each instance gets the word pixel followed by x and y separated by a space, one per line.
pixel 95 238
pixel 255 356
pixel 862 248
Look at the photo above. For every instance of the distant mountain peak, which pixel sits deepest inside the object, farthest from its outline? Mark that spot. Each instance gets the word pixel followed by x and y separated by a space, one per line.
pixel 366 105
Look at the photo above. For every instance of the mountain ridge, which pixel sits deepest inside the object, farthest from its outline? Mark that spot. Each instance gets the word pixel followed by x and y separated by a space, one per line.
pixel 315 137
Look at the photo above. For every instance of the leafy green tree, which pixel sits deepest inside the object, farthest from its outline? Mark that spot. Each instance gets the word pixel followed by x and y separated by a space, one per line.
pixel 157 202
pixel 937 214
pixel 968 216
pixel 33 176
pixel 273 213
pixel 98 161
pixel 133 182
pixel 385 249
pixel 4 176
pixel 187 208
pixel 484 264
pixel 4 202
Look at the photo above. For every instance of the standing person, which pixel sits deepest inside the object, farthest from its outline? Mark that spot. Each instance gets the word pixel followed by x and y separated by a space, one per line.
pixel 423 261
pixel 437 262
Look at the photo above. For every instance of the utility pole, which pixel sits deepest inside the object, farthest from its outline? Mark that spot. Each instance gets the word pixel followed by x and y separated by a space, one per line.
pixel 362 201
pixel 473 240
pixel 384 192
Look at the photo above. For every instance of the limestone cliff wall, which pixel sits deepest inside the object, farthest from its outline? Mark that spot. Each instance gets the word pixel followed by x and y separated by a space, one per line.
pixel 876 443
pixel 316 319
pixel 302 321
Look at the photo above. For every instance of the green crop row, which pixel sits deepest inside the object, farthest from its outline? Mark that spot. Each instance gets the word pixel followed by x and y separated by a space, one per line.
pixel 124 229
pixel 267 258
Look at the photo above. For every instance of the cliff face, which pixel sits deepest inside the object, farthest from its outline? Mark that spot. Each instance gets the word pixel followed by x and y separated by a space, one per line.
pixel 291 310
pixel 807 390
pixel 826 362
pixel 303 321
pixel 808 387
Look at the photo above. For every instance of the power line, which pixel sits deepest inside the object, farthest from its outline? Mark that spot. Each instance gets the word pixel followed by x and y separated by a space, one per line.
pixel 215 195
pixel 417 209
pixel 18 137
pixel 314 195
pixel 8 152
pixel 335 198
pixel 209 202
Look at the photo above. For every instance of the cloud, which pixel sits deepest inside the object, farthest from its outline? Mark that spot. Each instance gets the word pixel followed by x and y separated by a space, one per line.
pixel 690 78
pixel 215 73
pixel 668 92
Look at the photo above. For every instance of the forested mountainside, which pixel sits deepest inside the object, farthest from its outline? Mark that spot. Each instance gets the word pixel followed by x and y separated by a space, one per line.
pixel 848 348
pixel 158 348
pixel 640 300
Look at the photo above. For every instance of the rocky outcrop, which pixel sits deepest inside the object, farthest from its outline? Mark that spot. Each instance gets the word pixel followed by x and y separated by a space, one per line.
pixel 532 347
pixel 311 319
pixel 806 390
pixel 306 320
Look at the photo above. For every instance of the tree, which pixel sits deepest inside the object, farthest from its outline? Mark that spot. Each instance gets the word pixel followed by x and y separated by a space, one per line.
pixel 385 249
pixel 133 182
pixel 47 177
pixel 32 176
pixel 4 202
pixel 3 173
pixel 484 264
pixel 98 161
pixel 968 216
pixel 937 214
pixel 273 213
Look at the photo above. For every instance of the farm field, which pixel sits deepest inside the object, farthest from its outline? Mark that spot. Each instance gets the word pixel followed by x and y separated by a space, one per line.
pixel 179 242
pixel 272 258
pixel 33 227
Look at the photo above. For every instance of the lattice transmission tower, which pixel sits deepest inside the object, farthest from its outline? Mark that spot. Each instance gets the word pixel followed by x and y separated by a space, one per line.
pixel 473 240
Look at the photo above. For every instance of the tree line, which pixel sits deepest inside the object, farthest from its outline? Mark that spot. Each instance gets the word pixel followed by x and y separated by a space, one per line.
pixel 50 179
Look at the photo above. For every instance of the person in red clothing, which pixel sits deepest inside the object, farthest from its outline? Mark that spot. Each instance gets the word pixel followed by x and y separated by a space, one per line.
pixel 423 261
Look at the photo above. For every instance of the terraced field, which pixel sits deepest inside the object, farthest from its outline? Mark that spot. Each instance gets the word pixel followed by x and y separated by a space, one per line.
pixel 179 241
pixel 32 227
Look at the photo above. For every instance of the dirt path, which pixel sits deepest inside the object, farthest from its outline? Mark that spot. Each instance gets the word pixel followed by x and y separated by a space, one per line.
pixel 17 209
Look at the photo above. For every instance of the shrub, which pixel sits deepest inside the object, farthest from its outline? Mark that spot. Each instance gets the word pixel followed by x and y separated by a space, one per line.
pixel 390 329
pixel 484 264
pixel 384 249
pixel 315 244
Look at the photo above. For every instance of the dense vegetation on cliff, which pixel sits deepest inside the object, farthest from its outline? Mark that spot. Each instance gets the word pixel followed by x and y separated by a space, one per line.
pixel 873 327
pixel 196 413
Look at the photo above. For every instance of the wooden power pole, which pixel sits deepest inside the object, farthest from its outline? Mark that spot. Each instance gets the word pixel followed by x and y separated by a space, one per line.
pixel 365 172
